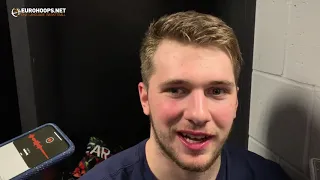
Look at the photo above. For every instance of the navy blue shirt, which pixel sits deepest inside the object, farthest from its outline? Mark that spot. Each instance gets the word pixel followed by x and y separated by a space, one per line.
pixel 131 164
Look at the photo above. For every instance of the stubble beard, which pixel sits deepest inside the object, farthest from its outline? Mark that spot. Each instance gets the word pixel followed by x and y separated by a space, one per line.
pixel 170 153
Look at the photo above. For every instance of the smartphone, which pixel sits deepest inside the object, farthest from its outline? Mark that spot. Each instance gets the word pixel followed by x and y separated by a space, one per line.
pixel 33 151
pixel 315 169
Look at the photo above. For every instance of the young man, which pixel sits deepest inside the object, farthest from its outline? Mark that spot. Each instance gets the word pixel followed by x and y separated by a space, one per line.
pixel 190 66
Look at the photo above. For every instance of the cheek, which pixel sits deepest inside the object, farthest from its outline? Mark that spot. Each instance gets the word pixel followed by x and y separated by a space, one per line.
pixel 224 114
pixel 165 110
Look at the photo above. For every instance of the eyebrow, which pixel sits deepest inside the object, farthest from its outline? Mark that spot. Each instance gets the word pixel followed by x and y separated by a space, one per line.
pixel 172 82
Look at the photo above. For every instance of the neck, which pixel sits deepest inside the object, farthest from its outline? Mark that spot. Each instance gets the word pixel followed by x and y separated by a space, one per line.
pixel 164 168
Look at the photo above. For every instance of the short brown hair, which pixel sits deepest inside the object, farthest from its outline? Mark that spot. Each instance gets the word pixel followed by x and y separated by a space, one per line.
pixel 192 28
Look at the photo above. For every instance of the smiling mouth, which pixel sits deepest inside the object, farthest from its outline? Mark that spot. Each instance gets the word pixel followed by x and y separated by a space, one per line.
pixel 194 139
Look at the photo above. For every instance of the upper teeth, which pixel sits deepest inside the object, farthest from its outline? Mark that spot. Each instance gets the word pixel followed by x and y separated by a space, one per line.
pixel 192 136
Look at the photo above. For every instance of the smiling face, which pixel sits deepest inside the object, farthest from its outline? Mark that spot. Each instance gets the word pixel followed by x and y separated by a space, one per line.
pixel 191 101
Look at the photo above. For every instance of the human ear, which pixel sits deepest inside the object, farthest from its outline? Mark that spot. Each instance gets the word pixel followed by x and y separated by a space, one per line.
pixel 143 94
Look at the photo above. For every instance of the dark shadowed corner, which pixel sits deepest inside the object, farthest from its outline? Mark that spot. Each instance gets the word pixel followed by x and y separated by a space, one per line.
pixel 314 143
pixel 290 130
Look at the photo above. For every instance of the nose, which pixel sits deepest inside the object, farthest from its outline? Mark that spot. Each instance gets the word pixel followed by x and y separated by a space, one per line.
pixel 197 110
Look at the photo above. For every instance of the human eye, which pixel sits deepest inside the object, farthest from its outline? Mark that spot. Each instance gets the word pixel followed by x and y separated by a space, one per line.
pixel 176 92
pixel 218 92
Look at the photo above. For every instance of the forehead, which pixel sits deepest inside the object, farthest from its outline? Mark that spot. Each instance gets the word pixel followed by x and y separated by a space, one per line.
pixel 174 60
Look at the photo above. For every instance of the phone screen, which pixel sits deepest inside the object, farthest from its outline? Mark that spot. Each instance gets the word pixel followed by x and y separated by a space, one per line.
pixel 29 151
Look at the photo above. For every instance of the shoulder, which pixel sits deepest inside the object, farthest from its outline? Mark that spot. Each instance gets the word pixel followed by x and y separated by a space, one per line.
pixel 250 164
pixel 118 166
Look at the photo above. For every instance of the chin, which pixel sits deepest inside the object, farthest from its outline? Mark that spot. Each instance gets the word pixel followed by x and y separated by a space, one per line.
pixel 195 163
pixel 195 159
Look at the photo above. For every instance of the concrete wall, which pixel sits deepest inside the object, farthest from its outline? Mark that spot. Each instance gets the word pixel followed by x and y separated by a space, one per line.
pixel 285 95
